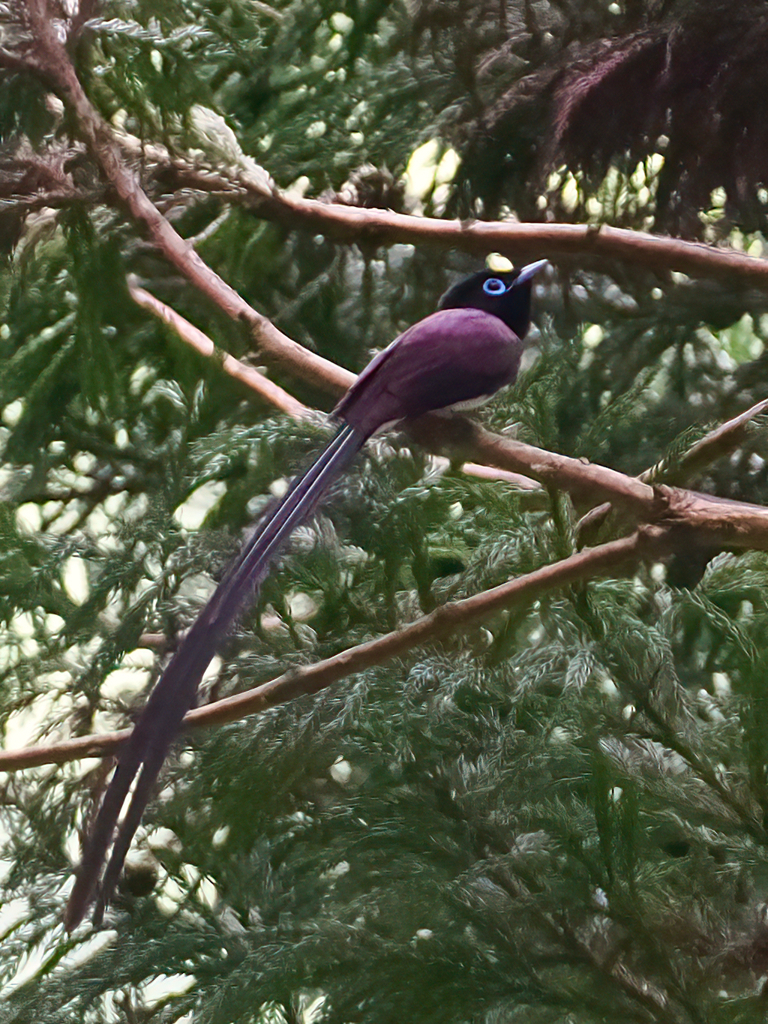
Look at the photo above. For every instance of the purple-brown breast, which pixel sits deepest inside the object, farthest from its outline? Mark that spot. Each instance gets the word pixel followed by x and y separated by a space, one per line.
pixel 453 357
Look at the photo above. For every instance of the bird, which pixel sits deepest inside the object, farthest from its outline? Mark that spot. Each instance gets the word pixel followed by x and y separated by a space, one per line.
pixel 455 358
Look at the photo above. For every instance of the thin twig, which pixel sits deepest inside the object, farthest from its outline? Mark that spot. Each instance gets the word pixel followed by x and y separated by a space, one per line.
pixel 199 341
pixel 270 12
pixel 714 445
pixel 720 441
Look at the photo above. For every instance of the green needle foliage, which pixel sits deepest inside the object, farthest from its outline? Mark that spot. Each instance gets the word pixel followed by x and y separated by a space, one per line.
pixel 558 816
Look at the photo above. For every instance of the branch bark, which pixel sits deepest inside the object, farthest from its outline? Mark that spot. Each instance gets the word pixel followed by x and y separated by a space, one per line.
pixel 449 619
pixel 196 339
pixel 518 241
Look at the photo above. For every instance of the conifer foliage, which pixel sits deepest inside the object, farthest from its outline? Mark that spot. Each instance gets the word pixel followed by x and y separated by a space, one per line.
pixel 545 803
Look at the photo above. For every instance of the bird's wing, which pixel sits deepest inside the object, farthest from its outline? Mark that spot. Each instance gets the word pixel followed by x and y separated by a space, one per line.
pixel 450 357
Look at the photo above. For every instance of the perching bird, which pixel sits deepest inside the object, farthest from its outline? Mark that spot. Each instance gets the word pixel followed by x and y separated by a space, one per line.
pixel 454 358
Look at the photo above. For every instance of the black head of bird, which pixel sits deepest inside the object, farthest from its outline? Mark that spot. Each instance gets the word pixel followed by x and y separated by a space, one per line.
pixel 503 293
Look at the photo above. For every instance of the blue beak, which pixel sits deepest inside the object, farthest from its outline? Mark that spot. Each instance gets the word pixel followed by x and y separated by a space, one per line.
pixel 528 272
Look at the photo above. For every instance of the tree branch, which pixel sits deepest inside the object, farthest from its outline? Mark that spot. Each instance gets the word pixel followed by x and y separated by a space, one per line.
pixel 717 521
pixel 718 442
pixel 581 479
pixel 589 483
pixel 341 223
pixel 447 620
pixel 474 444
pixel 586 482
pixel 101 142
pixel 192 336
pixel 722 522
pixel 518 241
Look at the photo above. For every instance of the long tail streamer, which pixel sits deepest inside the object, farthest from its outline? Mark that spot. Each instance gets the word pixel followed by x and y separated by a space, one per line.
pixel 175 693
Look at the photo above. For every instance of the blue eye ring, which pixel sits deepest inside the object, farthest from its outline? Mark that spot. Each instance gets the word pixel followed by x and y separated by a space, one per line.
pixel 494 286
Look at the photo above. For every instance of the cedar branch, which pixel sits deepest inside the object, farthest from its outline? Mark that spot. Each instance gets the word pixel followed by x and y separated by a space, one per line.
pixel 199 341
pixel 448 619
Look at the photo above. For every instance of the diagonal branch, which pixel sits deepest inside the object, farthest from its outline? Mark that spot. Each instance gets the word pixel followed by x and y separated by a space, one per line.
pixel 103 145
pixel 447 620
pixel 718 442
pixel 196 339
pixel 714 520
pixel 579 478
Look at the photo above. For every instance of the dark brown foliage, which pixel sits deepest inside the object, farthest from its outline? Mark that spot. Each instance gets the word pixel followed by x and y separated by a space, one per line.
pixel 687 79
